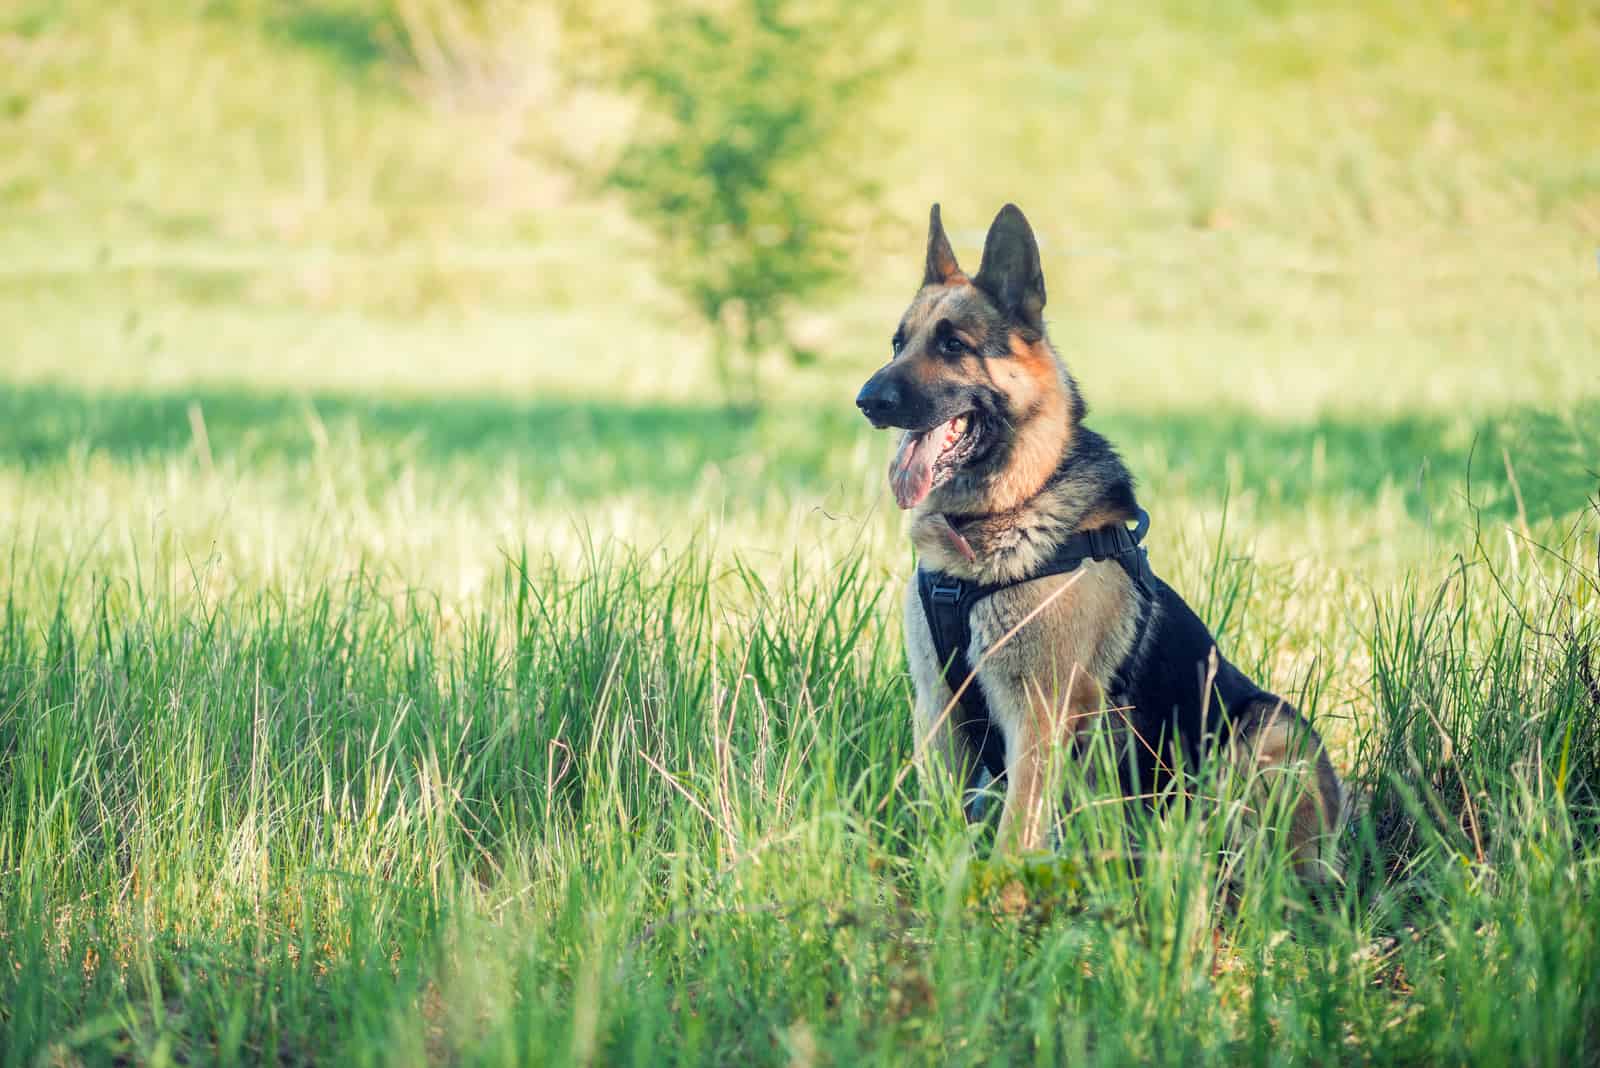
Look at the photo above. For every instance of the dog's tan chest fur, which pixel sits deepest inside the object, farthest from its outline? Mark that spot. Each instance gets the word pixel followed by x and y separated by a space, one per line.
pixel 1084 628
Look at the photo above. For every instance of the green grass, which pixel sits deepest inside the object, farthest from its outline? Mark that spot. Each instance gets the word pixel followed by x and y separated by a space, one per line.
pixel 648 810
pixel 404 658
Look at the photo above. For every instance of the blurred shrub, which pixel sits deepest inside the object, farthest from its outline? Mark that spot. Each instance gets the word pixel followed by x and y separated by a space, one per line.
pixel 745 161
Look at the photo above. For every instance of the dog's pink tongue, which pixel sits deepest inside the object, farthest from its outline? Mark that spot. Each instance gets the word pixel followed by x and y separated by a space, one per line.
pixel 911 472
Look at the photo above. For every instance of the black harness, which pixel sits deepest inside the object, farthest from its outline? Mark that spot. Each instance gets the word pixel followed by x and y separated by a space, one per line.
pixel 947 603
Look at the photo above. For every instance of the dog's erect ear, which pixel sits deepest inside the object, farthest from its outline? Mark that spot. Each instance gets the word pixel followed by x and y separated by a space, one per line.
pixel 1011 274
pixel 942 267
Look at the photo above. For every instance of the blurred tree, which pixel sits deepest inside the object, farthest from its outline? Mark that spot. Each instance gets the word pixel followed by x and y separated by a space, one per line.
pixel 745 160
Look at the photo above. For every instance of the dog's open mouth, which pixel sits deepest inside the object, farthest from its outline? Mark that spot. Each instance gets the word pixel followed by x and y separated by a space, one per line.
pixel 927 458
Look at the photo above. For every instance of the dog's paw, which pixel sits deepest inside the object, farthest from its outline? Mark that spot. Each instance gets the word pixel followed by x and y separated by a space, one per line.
pixel 1032 887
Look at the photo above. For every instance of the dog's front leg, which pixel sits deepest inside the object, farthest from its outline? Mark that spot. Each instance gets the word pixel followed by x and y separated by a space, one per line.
pixel 1027 815
pixel 941 749
pixel 1038 724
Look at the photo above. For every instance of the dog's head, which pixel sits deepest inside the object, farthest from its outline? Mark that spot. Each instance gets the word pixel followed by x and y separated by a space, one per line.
pixel 986 406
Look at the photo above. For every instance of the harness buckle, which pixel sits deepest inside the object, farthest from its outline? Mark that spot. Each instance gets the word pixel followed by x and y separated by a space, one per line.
pixel 1103 543
pixel 1117 540
pixel 943 594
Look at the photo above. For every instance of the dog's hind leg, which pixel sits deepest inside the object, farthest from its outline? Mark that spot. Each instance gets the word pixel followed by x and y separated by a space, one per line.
pixel 1287 767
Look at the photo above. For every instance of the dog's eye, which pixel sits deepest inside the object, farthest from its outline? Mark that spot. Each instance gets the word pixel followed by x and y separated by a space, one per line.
pixel 952 346
pixel 897 343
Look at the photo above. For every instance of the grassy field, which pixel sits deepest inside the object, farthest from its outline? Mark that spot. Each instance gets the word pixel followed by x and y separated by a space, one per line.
pixel 405 658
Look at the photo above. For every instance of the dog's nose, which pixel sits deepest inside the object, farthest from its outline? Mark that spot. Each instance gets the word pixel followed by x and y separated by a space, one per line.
pixel 879 399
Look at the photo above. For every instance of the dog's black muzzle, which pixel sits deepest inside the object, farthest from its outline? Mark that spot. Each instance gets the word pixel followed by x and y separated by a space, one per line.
pixel 887 400
pixel 880 400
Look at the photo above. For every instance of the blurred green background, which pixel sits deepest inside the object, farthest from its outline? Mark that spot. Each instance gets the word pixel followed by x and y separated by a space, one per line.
pixel 270 265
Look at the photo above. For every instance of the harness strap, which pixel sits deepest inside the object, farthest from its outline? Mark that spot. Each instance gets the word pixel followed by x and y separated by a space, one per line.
pixel 947 604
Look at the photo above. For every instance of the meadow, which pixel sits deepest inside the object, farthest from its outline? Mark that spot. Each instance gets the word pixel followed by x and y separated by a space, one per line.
pixel 406 657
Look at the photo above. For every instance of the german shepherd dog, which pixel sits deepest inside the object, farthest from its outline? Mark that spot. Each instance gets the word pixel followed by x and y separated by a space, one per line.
pixel 1004 483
